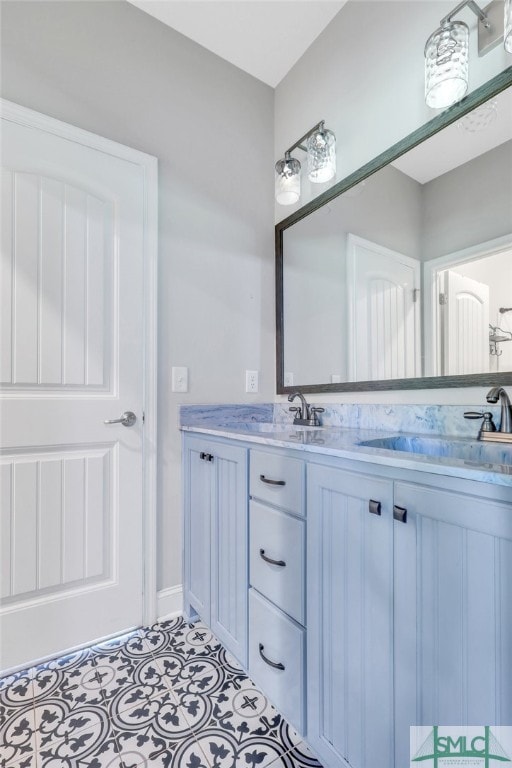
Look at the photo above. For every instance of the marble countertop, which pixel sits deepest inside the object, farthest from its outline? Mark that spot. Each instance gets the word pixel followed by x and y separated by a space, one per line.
pixel 494 466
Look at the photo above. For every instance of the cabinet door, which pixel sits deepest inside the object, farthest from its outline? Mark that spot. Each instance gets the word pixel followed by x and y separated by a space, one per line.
pixel 453 611
pixel 197 493
pixel 350 618
pixel 229 574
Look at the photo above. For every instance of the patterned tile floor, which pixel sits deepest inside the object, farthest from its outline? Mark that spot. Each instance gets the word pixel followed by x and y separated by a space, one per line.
pixel 166 696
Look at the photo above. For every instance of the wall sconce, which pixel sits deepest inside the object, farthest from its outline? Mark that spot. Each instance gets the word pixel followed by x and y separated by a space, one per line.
pixel 321 153
pixel 447 50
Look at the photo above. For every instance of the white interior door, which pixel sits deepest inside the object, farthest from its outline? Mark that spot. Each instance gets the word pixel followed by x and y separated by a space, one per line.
pixel 384 320
pixel 465 325
pixel 71 346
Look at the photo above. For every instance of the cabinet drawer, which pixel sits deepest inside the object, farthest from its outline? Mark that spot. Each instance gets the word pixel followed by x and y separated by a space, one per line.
pixel 277 536
pixel 278 480
pixel 276 638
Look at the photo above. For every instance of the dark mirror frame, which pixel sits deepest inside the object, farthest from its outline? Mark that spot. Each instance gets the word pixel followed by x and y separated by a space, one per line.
pixel 454 113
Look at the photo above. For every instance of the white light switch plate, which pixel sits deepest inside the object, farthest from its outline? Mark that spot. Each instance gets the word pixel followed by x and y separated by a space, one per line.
pixel 288 379
pixel 179 379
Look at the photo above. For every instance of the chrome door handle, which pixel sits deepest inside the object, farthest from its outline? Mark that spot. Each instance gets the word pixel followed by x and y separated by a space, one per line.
pixel 127 419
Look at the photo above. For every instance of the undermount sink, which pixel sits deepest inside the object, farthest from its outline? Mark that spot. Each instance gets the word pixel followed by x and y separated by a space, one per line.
pixel 266 426
pixel 453 448
pixel 261 426
pixel 295 433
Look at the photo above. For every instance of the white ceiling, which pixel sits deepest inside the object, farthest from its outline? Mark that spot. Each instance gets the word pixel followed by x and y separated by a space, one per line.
pixel 263 37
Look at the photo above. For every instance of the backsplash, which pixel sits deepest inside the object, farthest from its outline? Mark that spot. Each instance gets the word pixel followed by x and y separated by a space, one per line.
pixel 417 419
pixel 224 414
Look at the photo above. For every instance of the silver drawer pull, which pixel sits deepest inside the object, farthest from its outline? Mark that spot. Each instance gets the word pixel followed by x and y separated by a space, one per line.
pixel 400 514
pixel 271 482
pixel 272 664
pixel 280 563
pixel 374 507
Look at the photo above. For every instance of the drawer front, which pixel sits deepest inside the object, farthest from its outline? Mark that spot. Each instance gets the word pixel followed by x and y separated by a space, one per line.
pixel 279 480
pixel 278 537
pixel 276 658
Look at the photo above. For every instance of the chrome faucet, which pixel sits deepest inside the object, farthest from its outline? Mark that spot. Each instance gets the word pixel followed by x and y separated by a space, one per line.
pixel 306 415
pixel 506 407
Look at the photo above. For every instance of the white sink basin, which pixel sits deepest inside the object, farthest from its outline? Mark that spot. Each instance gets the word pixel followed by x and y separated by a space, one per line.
pixel 453 447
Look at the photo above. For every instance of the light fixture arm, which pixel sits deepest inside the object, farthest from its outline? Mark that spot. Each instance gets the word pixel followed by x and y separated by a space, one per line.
pixel 300 143
pixel 474 7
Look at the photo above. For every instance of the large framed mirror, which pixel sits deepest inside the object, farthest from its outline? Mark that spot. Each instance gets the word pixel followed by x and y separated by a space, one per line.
pixel 400 276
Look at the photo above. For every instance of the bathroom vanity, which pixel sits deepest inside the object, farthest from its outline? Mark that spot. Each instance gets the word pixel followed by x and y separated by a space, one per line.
pixel 364 578
pixel 364 589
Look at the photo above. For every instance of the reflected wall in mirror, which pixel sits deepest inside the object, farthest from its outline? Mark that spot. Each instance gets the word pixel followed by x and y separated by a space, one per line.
pixel 407 275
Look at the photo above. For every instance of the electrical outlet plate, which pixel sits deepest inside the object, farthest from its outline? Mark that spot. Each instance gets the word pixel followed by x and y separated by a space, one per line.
pixel 179 379
pixel 288 379
pixel 251 381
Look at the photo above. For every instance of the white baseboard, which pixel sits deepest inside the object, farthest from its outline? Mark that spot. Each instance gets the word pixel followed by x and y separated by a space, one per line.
pixel 170 602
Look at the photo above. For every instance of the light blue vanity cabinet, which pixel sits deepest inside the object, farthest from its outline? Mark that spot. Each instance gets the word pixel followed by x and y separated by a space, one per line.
pixel 362 596
pixel 350 617
pixel 453 607
pixel 215 537
pixel 409 612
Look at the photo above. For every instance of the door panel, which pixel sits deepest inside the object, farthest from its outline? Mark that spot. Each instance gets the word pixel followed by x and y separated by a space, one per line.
pixel 58 254
pixel 53 494
pixel 453 611
pixel 384 323
pixel 465 324
pixel 350 616
pixel 230 549
pixel 71 334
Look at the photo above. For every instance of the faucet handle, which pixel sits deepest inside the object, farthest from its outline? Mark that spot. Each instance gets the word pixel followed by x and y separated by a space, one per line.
pixel 488 425
pixel 314 410
pixel 295 409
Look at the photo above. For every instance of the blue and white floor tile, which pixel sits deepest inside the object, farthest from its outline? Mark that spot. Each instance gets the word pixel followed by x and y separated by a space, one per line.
pixel 169 696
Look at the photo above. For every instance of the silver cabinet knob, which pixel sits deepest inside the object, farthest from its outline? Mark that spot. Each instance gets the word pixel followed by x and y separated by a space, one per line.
pixel 127 419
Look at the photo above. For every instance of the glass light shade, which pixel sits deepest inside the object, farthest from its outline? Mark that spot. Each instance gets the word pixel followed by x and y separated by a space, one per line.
pixel 446 65
pixel 321 146
pixel 508 25
pixel 287 181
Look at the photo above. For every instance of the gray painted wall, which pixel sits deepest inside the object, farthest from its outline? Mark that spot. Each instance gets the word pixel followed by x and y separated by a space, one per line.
pixel 469 205
pixel 112 69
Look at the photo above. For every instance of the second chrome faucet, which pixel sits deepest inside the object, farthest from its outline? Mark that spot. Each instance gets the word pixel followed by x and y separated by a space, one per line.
pixel 488 430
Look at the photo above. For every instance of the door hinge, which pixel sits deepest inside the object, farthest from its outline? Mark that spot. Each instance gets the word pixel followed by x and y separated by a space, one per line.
pixel 415 294
pixel 143 417
pixel 443 298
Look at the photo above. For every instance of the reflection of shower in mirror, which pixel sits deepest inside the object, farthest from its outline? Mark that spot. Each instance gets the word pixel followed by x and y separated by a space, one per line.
pixel 497 336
